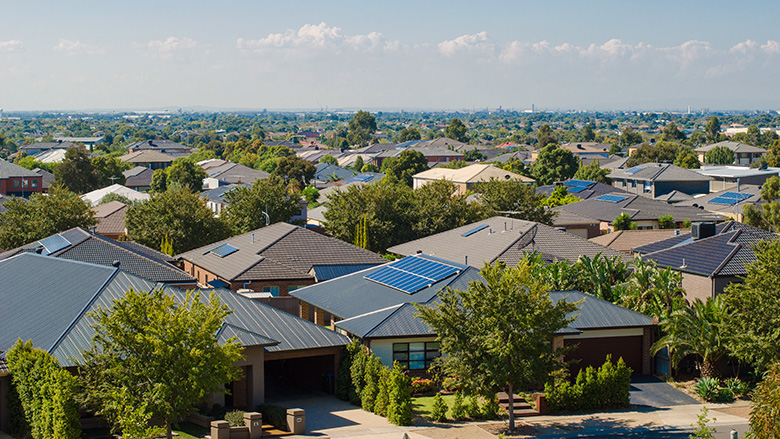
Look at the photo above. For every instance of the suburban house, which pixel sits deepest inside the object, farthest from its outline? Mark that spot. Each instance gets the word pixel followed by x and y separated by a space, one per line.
pixel 583 150
pixel 656 179
pixel 96 196
pixel 583 189
pixel 377 305
pixel 139 178
pixel 80 245
pixel 627 240
pixel 502 239
pixel 432 155
pixel 39 147
pixel 164 146
pixel 466 179
pixel 728 203
pixel 49 300
pixel 733 177
pixel 743 154
pixel 215 198
pixel 88 141
pixel 710 256
pixel 643 211
pixel 275 260
pixel 582 226
pixel 521 155
pixel 329 173
pixel 47 178
pixel 148 159
pixel 111 219
pixel 18 181
pixel 51 156
pixel 222 172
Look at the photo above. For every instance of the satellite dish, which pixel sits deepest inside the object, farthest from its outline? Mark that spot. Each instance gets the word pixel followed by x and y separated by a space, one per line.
pixel 527 238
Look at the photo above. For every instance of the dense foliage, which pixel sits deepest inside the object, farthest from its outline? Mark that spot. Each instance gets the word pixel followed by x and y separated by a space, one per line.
pixel 247 207
pixel 605 388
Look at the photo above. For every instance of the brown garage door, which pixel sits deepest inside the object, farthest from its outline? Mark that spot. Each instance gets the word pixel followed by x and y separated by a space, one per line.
pixel 594 351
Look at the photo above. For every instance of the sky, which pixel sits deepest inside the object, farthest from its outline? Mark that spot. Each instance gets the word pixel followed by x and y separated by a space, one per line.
pixel 390 55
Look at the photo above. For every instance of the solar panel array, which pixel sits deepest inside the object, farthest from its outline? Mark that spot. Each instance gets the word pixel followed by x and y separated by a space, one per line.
pixel 612 198
pixel 579 183
pixel 412 273
pixel 634 170
pixel 54 243
pixel 730 198
pixel 575 189
pixel 223 250
pixel 361 177
pixel 474 230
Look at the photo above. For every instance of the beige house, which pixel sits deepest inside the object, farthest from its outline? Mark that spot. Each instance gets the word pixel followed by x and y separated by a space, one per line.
pixel 466 178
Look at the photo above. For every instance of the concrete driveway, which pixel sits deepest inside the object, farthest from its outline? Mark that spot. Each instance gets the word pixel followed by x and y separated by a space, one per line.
pixel 649 391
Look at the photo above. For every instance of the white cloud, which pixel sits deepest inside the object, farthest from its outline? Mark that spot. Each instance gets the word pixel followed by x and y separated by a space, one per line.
pixel 11 46
pixel 479 43
pixel 70 47
pixel 318 37
pixel 168 47
pixel 771 46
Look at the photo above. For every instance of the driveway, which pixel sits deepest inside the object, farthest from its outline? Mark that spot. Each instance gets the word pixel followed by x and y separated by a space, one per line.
pixel 649 391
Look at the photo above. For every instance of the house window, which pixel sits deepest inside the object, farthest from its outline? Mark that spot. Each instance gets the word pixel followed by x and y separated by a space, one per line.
pixel 16 184
pixel 633 184
pixel 416 356
pixel 273 290
pixel 34 183
pixel 648 187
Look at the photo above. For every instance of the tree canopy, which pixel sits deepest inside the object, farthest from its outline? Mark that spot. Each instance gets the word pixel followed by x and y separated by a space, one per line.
pixel 720 155
pixel 554 164
pixel 294 168
pixel 362 127
pixel 76 172
pixel 408 163
pixel 545 136
pixel 593 172
pixel 178 214
pixel 153 356
pixel 514 199
pixel 408 134
pixel 657 152
pixel 246 206
pixel 185 173
pixel 712 128
pixel 672 134
pixel 43 215
pixel 457 130
pixel 498 334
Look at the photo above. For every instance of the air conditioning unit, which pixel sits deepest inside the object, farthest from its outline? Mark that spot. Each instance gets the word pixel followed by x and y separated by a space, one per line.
pixel 702 230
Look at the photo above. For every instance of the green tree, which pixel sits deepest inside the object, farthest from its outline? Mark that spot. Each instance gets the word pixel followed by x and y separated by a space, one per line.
pixel 587 133
pixel 712 128
pixel 358 165
pixel 329 159
pixel 311 194
pixel 369 167
pixel 514 199
pixel 109 170
pixel 473 325
pixel 113 196
pixel 439 408
pixel 545 136
pixel 650 291
pixel 623 222
pixel 76 172
pixel 457 130
pixel 720 155
pixel 666 222
pixel 672 134
pixel 755 309
pixel 408 163
pixel 408 134
pixel 473 155
pixel 629 137
pixel 593 172
pixel 184 173
pixel 247 206
pixel 560 196
pixel 436 208
pixel 766 405
pixel 654 153
pixel 294 168
pixel 362 127
pixel 687 158
pixel 399 408
pixel 697 329
pixel 153 356
pixel 768 215
pixel 554 164
pixel 159 181
pixel 179 214
pixel 43 215
pixel 46 391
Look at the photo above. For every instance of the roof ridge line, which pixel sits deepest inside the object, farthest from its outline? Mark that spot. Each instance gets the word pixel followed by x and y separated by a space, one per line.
pixel 138 254
pixel 401 305
pixel 728 257
pixel 398 305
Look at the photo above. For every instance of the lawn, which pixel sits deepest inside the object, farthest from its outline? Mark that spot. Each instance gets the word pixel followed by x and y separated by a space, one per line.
pixel 422 404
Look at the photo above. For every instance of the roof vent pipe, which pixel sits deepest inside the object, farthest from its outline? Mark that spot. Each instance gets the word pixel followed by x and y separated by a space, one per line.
pixel 466 262
pixel 419 252
pixel 505 226
pixel 116 264
pixel 253 238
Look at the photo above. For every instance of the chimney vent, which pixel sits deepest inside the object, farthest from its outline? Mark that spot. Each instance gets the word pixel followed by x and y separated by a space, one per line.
pixel 116 263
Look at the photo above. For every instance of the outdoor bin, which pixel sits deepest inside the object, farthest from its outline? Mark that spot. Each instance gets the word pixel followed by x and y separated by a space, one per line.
pixel 296 421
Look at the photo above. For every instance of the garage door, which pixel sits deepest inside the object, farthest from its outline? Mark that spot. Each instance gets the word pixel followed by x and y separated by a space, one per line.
pixel 594 351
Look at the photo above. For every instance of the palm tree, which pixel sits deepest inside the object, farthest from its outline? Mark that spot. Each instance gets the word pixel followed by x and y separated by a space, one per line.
pixel 696 330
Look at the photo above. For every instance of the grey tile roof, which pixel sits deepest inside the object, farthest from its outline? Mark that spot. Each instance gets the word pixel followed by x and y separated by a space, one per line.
pixel 502 240
pixel 96 249
pixel 725 254
pixel 564 217
pixel 595 313
pixel 594 190
pixel 328 171
pixel 3 366
pixel 659 172
pixel 9 170
pixel 638 207
pixel 147 156
pixel 161 145
pixel 43 146
pixel 674 196
pixel 138 176
pixel 278 251
pixel 218 194
pixel 111 218
pixel 704 201
pixel 47 178
pixel 52 310
pixel 734 146
pixel 235 173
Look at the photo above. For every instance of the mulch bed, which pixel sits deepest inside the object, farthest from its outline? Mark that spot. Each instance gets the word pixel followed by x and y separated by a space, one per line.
pixel 521 429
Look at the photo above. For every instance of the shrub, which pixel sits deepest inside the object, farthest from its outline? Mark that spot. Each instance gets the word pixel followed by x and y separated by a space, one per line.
pixel 372 370
pixel 399 411
pixel 345 390
pixel 707 388
pixel 472 408
pixel 439 409
pixel 358 373
pixel 383 393
pixel 235 418
pixel 17 425
pixel 491 409
pixel 274 415
pixel 420 386
pixel 450 384
pixel 725 395
pixel 607 387
pixel 458 411
pixel 737 387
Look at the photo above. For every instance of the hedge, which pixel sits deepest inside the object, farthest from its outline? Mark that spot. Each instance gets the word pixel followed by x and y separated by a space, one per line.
pixel 607 387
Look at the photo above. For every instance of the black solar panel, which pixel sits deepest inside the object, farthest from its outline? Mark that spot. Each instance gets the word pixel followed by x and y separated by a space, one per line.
pixel 612 198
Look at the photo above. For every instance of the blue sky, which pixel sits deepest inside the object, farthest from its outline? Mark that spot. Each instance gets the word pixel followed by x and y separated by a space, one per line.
pixel 623 55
